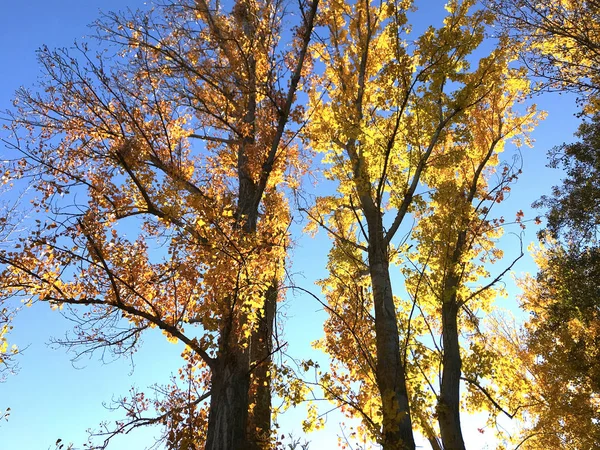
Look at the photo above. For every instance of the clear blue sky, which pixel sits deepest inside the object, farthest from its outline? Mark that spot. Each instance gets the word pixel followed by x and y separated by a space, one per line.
pixel 50 398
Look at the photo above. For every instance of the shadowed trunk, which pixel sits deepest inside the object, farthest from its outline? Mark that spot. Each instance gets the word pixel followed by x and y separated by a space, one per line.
pixel 449 403
pixel 259 421
pixel 250 377
pixel 391 376
pixel 448 408
pixel 229 403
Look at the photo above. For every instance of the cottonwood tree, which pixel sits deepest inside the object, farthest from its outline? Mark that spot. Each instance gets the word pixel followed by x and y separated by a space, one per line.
pixel 410 131
pixel 456 240
pixel 161 165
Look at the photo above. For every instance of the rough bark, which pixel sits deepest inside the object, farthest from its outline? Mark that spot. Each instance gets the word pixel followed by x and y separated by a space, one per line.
pixel 229 403
pixel 228 420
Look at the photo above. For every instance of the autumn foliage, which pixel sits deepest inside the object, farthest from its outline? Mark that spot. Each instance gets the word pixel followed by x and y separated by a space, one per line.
pixel 162 176
pixel 165 158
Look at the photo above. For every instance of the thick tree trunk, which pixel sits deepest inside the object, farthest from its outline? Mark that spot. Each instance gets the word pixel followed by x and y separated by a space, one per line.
pixel 449 402
pixel 240 408
pixel 261 348
pixel 228 416
pixel 391 376
pixel 228 425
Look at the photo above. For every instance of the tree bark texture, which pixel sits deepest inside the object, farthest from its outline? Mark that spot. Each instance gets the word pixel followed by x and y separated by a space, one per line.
pixel 229 403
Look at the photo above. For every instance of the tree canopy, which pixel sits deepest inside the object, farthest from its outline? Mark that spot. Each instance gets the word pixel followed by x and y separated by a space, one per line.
pixel 166 160
pixel 563 41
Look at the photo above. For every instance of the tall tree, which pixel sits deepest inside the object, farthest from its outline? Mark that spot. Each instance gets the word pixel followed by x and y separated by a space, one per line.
pixel 161 165
pixel 404 127
pixel 456 236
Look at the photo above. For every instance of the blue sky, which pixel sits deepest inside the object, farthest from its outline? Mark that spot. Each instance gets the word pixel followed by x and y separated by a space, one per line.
pixel 53 398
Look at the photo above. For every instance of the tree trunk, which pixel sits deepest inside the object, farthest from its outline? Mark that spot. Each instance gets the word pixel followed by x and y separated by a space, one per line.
pixel 434 441
pixel 259 421
pixel 228 416
pixel 391 376
pixel 449 402
pixel 428 430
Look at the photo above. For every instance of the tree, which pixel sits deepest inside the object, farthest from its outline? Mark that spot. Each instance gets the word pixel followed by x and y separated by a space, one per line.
pixel 406 127
pixel 564 301
pixel 456 237
pixel 161 165
pixel 563 41
pixel 563 335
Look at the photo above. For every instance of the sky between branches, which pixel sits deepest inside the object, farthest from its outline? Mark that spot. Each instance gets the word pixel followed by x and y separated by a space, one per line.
pixel 52 398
